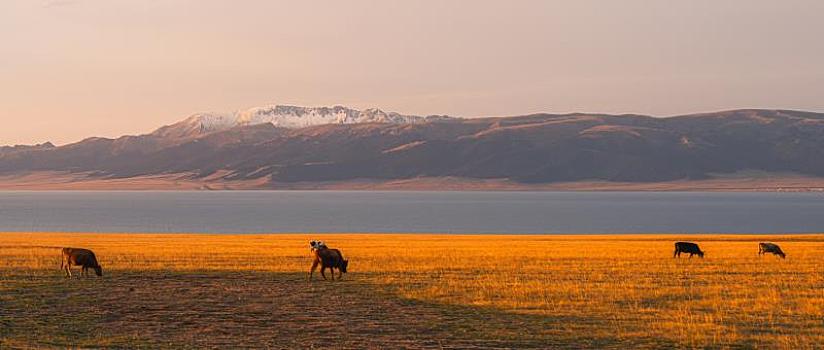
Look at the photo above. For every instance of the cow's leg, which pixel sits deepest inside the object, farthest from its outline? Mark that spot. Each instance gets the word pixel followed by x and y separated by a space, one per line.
pixel 322 273
pixel 676 254
pixel 312 270
pixel 691 255
pixel 84 271
pixel 340 274
pixel 68 271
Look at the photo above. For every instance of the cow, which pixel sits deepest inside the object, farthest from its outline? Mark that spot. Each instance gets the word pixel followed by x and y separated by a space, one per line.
pixel 773 248
pixel 687 247
pixel 328 258
pixel 80 257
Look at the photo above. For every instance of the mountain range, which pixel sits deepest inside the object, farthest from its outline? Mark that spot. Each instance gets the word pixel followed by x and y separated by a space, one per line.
pixel 287 145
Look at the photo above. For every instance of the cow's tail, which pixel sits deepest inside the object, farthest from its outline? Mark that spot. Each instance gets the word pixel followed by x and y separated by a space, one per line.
pixel 340 260
pixel 63 263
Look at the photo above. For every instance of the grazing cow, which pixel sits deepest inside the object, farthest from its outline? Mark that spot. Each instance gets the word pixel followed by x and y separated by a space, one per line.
pixel 328 258
pixel 687 247
pixel 764 248
pixel 80 257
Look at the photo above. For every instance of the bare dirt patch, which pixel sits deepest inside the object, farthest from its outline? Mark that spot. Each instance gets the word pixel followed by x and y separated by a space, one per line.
pixel 242 309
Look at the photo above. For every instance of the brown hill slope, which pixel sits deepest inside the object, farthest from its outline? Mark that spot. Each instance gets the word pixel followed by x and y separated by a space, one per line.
pixel 534 149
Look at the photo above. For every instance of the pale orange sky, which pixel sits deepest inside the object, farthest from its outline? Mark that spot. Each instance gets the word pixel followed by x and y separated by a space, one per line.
pixel 76 68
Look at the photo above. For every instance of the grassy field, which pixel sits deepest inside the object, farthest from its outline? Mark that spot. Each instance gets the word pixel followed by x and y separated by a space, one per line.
pixel 413 291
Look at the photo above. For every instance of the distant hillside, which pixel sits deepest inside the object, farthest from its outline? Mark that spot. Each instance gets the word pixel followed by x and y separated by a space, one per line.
pixel 271 146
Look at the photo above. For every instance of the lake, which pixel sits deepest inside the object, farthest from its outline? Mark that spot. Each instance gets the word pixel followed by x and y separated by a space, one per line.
pixel 418 212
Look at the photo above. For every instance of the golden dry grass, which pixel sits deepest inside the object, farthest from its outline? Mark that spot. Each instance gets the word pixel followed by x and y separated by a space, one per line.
pixel 523 291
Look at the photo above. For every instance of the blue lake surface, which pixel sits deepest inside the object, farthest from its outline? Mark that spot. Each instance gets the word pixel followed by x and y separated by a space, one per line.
pixel 437 212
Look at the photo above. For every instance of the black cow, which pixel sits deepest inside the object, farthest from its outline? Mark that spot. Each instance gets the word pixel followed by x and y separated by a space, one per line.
pixel 773 248
pixel 687 247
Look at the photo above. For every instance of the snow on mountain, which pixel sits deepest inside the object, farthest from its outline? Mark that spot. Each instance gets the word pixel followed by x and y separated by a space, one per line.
pixel 299 117
pixel 285 117
pixel 211 122
pixel 197 124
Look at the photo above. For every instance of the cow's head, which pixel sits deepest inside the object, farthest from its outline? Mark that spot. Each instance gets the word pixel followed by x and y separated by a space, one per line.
pixel 782 255
pixel 98 270
pixel 344 265
pixel 701 254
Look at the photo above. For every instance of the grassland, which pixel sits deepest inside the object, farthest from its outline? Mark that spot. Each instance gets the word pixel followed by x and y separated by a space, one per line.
pixel 413 291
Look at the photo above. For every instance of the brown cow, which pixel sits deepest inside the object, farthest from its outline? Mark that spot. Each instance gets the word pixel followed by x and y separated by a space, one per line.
pixel 328 258
pixel 764 248
pixel 80 257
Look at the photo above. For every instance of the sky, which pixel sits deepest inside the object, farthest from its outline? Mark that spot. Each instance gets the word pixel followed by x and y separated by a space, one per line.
pixel 71 69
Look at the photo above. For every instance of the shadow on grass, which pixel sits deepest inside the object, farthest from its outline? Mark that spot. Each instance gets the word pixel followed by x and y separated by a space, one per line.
pixel 165 309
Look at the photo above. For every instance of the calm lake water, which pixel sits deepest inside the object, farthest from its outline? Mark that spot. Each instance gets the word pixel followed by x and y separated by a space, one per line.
pixel 446 212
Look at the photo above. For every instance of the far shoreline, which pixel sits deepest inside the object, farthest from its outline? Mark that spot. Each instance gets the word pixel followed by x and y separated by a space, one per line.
pixel 744 182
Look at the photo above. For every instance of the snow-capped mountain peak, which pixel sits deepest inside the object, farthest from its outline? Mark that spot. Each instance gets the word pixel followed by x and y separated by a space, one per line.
pixel 285 117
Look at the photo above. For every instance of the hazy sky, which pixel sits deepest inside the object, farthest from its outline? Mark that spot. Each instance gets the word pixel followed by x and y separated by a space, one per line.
pixel 76 68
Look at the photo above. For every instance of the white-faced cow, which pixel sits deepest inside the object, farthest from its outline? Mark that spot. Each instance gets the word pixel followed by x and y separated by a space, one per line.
pixel 315 245
pixel 773 248
pixel 328 259
pixel 687 247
